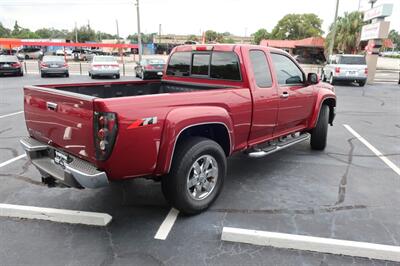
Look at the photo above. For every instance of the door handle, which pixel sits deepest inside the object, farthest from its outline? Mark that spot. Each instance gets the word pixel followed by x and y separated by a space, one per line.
pixel 285 94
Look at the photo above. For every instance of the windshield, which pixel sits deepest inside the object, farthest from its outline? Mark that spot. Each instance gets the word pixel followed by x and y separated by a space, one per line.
pixel 53 59
pixel 104 59
pixel 352 60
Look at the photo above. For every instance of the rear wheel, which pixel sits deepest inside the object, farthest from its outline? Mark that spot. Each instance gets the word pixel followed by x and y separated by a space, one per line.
pixel 93 76
pixel 118 76
pixel 67 75
pixel 320 132
pixel 196 176
pixel 362 83
pixel 332 79
pixel 42 75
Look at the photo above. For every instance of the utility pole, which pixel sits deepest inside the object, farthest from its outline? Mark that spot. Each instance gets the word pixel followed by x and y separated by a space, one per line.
pixel 159 34
pixel 76 32
pixel 139 33
pixel 116 22
pixel 333 31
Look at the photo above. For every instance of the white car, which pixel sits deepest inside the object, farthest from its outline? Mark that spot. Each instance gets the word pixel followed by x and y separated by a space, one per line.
pixel 104 66
pixel 346 67
pixel 61 52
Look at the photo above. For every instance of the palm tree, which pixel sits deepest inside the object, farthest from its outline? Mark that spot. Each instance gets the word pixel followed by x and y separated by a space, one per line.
pixel 348 31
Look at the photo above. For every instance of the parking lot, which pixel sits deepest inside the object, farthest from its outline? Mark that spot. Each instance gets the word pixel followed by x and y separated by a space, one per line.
pixel 345 192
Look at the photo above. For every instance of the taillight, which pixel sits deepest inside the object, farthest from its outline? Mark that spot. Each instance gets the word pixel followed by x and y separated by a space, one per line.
pixel 337 69
pixel 97 65
pixel 65 65
pixel 366 71
pixel 16 65
pixel 105 132
pixel 44 65
pixel 148 67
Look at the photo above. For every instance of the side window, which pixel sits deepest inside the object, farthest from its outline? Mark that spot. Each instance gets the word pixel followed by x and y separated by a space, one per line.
pixel 225 65
pixel 201 63
pixel 179 64
pixel 286 70
pixel 261 69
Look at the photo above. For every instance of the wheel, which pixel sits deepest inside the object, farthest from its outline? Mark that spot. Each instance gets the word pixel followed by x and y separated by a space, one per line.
pixel 26 56
pixel 21 74
pixel 362 83
pixel 331 79
pixel 42 75
pixel 320 132
pixel 143 75
pixel 67 75
pixel 196 176
pixel 93 76
pixel 118 76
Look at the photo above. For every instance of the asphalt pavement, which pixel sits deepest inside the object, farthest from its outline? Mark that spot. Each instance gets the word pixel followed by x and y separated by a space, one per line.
pixel 345 192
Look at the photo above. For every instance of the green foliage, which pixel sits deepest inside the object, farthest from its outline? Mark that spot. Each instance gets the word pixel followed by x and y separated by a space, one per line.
pixel 211 36
pixel 348 31
pixel 297 26
pixel 4 32
pixel 261 34
pixel 394 36
pixel 146 38
pixel 216 37
pixel 193 38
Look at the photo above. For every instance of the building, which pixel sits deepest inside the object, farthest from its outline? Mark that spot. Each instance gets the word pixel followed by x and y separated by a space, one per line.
pixel 306 51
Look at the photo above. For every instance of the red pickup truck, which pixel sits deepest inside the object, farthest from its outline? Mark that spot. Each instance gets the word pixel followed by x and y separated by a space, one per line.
pixel 213 101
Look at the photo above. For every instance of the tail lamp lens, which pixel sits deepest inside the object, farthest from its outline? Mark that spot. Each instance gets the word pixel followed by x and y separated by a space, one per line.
pixel 337 69
pixel 105 127
pixel 366 71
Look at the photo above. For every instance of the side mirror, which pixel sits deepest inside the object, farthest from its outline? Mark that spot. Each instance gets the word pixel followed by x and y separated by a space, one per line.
pixel 312 78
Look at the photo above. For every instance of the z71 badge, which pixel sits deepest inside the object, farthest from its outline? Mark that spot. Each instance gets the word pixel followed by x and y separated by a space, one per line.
pixel 143 122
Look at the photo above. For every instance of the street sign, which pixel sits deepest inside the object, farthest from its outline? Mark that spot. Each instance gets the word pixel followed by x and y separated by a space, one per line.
pixel 378 30
pixel 381 11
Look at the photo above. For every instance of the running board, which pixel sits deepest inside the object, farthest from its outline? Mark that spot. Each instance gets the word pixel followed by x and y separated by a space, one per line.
pixel 279 146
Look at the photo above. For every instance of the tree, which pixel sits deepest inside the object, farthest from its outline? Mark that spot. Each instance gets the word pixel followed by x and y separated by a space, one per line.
pixel 193 38
pixel 86 34
pixel 16 29
pixel 146 38
pixel 297 26
pixel 348 31
pixel 261 34
pixel 4 32
pixel 395 37
pixel 211 36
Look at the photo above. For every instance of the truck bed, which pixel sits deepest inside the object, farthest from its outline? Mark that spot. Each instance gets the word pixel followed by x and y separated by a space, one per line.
pixel 133 88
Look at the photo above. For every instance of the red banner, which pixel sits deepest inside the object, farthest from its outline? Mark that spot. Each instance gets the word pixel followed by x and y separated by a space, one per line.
pixel 14 42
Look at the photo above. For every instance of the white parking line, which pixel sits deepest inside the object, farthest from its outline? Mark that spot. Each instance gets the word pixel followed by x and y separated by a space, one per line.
pixel 310 243
pixel 12 160
pixel 16 113
pixel 55 215
pixel 389 163
pixel 167 224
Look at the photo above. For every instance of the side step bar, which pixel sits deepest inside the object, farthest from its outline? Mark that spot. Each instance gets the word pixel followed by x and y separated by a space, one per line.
pixel 280 145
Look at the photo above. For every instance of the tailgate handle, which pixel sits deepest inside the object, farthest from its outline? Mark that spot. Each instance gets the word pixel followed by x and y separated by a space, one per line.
pixel 51 106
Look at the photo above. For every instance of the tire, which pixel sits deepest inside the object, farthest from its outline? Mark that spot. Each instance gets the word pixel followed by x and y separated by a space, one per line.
pixel 26 56
pixel 118 76
pixel 331 79
pixel 320 132
pixel 175 185
pixel 90 74
pixel 323 78
pixel 143 76
pixel 21 74
pixel 93 76
pixel 362 83
pixel 42 75
pixel 67 75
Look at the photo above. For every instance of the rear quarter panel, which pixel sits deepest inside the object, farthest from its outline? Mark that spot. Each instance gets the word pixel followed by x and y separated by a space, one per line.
pixel 146 150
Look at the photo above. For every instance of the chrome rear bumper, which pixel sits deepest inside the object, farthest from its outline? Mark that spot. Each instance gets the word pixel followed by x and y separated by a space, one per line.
pixel 75 173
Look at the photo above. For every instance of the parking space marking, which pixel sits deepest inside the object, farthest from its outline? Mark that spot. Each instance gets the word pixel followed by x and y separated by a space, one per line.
pixel 12 160
pixel 311 243
pixel 388 162
pixel 16 113
pixel 167 224
pixel 55 215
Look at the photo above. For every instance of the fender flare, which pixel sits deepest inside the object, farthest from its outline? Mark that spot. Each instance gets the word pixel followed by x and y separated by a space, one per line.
pixel 321 98
pixel 182 118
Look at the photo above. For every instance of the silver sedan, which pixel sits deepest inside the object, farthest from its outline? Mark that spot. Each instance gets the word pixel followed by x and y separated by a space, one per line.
pixel 104 66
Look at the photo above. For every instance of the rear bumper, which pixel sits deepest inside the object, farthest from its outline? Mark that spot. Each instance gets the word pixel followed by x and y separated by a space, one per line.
pixel 107 72
pixel 11 71
pixel 350 78
pixel 54 70
pixel 76 173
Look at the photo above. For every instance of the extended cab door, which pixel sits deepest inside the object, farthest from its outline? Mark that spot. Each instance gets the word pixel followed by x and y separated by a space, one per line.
pixel 296 96
pixel 265 96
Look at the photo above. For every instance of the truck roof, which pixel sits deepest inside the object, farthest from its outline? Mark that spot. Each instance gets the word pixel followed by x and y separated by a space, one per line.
pixel 221 47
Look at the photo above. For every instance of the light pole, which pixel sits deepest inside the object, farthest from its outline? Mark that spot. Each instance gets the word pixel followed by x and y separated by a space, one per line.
pixel 333 31
pixel 139 33
pixel 76 32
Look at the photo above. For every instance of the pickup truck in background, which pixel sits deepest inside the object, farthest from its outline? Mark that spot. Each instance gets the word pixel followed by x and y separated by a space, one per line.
pixel 346 68
pixel 213 101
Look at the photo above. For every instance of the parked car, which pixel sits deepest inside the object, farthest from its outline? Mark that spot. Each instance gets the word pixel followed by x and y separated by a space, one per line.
pixel 30 53
pixel 53 65
pixel 10 65
pixel 346 67
pixel 104 66
pixel 213 101
pixel 82 55
pixel 8 52
pixel 150 68
pixel 60 52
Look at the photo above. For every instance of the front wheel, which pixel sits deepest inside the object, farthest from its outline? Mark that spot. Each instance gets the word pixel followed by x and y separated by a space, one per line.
pixel 320 133
pixel 196 176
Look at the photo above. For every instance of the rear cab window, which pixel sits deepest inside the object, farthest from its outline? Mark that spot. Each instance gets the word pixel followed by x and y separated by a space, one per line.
pixel 352 60
pixel 210 65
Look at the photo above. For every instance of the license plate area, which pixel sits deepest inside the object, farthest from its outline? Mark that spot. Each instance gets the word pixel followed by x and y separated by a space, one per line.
pixel 351 73
pixel 61 158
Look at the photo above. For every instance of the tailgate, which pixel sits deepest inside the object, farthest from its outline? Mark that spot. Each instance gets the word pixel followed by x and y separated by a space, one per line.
pixel 61 119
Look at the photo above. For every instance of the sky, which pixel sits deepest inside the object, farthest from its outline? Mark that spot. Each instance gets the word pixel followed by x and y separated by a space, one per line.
pixel 240 17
